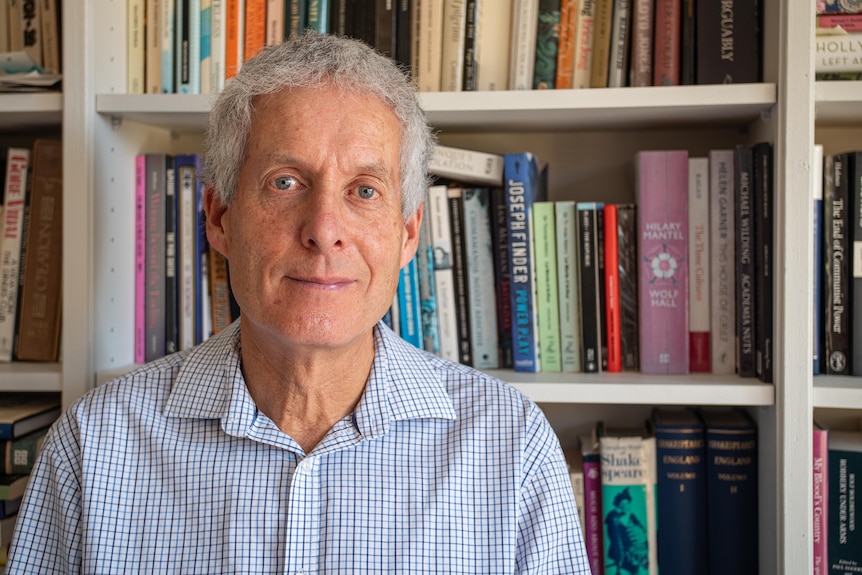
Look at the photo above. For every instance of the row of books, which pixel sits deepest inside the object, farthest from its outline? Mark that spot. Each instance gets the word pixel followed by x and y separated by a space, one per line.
pixel 677 495
pixel 838 39
pixel 680 281
pixel 34 29
pixel 837 469
pixel 193 46
pixel 30 251
pixel 24 423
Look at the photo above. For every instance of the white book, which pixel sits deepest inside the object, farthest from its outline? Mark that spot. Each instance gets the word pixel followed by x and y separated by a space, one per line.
pixel 454 26
pixel 15 198
pixel 444 280
pixel 837 51
pixel 698 256
pixel 135 59
pixel 585 24
pixel 218 33
pixel 568 287
pixel 467 166
pixel 522 60
pixel 722 262
pixel 50 22
pixel 168 23
pixel 481 291
pixel 153 47
pixel 493 44
pixel 274 22
pixel 430 45
pixel 186 218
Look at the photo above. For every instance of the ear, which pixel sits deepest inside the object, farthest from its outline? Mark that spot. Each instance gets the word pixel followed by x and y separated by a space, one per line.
pixel 215 220
pixel 411 235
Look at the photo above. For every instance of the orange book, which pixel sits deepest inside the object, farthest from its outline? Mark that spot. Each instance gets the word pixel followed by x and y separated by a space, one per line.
pixel 255 27
pixel 234 33
pixel 566 51
pixel 612 289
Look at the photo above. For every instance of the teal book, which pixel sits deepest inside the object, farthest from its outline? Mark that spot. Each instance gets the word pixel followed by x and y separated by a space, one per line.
pixel 547 44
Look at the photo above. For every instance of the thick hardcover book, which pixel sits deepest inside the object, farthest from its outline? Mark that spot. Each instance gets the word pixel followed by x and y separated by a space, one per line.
pixel 156 249
pixel 836 267
pixel 502 276
pixel 479 257
pixel 234 34
pixel 681 493
pixel 41 296
pixel 722 269
pixel 640 69
pixel 493 45
pixel 427 290
pixel 523 188
pixel 255 26
pixel 444 279
pixel 763 261
pixel 746 244
pixel 854 230
pixel 430 45
pixel 24 414
pixel 698 265
pixel 628 499
pixel 523 49
pixel 49 15
pixel 817 232
pixel 454 27
pixel 547 44
pixel 844 537
pixel 594 531
pixel 667 46
pixel 584 43
pixel 18 455
pixel 588 239
pixel 459 273
pixel 731 491
pixel 547 298
pixel 467 166
pixel 171 310
pixel 662 197
pixel 627 259
pixel 612 288
pixel 408 304
pixel 15 199
pixel 618 61
pixel 602 23
pixel 140 257
pixel 568 287
pixel 729 43
pixel 820 494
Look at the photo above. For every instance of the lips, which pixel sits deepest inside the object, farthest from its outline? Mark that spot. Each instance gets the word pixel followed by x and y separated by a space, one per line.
pixel 324 283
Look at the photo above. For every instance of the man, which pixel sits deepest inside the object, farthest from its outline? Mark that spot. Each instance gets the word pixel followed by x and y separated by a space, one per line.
pixel 307 437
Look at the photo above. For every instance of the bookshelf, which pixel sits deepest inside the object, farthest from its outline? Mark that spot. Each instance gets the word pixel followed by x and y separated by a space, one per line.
pixel 588 137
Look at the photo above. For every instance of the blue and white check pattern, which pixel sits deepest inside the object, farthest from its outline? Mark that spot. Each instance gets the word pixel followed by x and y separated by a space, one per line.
pixel 172 469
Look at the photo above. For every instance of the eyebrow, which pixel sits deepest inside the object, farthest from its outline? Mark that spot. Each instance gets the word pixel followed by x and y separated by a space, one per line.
pixel 377 169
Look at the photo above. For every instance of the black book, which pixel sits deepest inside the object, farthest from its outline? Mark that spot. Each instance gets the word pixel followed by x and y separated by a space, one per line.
pixel 688 51
pixel 745 260
pixel 854 186
pixel 836 267
pixel 763 260
pixel 589 277
pixel 469 81
pixel 627 262
pixel 503 279
pixel 459 271
pixel 729 45
pixel 404 34
pixel 172 325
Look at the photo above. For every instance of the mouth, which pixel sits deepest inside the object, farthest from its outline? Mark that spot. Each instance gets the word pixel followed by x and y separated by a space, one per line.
pixel 323 283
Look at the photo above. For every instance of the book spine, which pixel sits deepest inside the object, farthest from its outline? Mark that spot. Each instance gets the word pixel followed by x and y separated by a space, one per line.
pixel 171 313
pixel 470 166
pixel 471 26
pixel 185 175
pixel 454 25
pixel 612 289
pixel 295 19
pixel 586 26
pixel 668 14
pixel 618 62
pixel 140 257
pixel 218 36
pixel 854 188
pixel 205 50
pixel 662 195
pixel 745 244
pixel 681 466
pixel 688 44
pixel 444 280
pixel 502 276
pixel 427 289
pixel 255 27
pixel 844 538
pixel 640 72
pixel 220 291
pixel 153 46
pixel 493 45
pixel 15 198
pixel 168 25
pixel 135 56
pixel 430 45
pixel 480 275
pixel 408 305
pixel 156 297
pixel 233 36
pixel 203 320
pixel 593 534
pixel 274 22
pixel 600 261
pixel 547 45
pixel 569 282
pixel 19 454
pixel 589 274
pixel 698 265
pixel 317 15
pixel 627 258
pixel 459 272
pixel 189 75
pixel 602 24
pixel 41 292
pixel 763 258
pixel 721 263
pixel 817 232
pixel 847 22
pixel 50 20
pixel 566 49
pixel 820 482
pixel 728 43
pixel 522 190
pixel 547 297
pixel 31 30
pixel 404 40
pixel 522 60
pixel 836 267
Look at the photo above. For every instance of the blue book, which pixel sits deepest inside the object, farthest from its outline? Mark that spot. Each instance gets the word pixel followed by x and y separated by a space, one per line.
pixel 427 289
pixel 410 315
pixel 681 490
pixel 731 492
pixel 523 187
pixel 203 313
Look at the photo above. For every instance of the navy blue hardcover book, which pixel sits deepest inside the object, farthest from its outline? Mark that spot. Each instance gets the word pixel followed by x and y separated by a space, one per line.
pixel 681 491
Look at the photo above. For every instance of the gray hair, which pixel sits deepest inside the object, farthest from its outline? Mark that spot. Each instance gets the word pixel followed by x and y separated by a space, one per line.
pixel 311 60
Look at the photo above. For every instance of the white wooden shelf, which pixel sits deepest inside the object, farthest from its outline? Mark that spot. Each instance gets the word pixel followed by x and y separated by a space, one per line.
pixel 24 376
pixel 533 110
pixel 838 103
pixel 837 392
pixel 30 110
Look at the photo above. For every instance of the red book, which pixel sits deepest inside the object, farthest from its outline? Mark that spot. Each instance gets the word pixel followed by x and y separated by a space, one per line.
pixel 662 198
pixel 612 289
pixel 848 22
pixel 668 30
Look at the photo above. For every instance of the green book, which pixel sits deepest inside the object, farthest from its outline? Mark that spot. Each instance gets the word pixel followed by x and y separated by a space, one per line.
pixel 567 286
pixel 547 298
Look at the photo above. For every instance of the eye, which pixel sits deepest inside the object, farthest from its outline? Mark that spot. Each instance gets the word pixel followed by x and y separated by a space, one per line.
pixel 366 192
pixel 285 183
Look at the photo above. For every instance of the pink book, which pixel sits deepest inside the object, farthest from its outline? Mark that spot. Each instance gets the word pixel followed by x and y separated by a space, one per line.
pixel 821 504
pixel 662 198
pixel 593 535
pixel 140 255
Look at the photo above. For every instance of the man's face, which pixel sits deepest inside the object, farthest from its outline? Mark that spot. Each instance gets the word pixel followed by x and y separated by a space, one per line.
pixel 315 235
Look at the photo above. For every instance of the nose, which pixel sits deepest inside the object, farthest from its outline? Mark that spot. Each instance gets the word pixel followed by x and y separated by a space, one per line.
pixel 322 220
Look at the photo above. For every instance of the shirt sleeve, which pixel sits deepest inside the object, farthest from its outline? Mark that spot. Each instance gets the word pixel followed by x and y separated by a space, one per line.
pixel 549 533
pixel 47 536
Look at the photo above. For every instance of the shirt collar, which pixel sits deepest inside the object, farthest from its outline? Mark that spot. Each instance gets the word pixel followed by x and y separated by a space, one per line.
pixel 403 384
